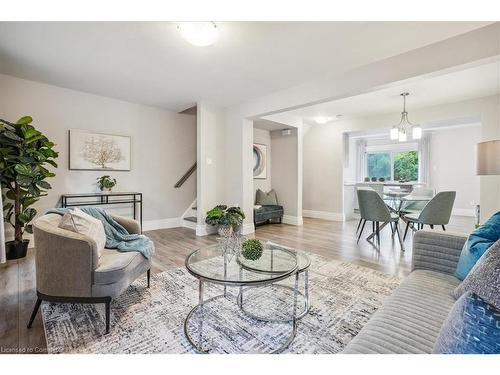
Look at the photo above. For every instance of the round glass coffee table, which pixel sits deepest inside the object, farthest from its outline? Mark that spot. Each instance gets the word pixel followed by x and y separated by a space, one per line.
pixel 270 263
pixel 211 264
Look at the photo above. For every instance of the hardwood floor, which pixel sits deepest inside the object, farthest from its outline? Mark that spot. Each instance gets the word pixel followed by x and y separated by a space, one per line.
pixel 334 240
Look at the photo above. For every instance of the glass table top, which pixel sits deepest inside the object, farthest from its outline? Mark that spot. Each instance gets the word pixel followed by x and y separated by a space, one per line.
pixel 276 263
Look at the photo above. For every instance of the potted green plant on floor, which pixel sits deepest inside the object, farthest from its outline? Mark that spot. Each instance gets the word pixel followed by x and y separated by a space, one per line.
pixel 227 220
pixel 106 183
pixel 24 155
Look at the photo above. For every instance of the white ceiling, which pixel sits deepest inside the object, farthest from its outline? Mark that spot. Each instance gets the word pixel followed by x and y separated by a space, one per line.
pixel 476 82
pixel 149 63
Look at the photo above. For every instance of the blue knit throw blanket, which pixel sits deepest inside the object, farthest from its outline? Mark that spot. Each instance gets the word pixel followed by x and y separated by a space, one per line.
pixel 117 237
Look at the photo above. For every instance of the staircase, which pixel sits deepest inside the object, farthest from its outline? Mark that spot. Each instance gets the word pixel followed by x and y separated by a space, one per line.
pixel 189 219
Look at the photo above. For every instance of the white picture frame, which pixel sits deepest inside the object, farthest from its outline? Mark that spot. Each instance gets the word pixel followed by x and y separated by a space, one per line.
pixel 91 151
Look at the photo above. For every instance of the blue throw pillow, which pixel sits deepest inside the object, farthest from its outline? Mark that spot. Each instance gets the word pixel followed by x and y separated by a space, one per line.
pixel 476 245
pixel 472 327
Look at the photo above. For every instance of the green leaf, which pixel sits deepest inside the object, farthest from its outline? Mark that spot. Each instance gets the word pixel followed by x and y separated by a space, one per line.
pixel 29 228
pixel 33 190
pixel 31 132
pixel 51 162
pixel 24 181
pixel 23 170
pixel 13 136
pixel 44 185
pixel 11 195
pixel 34 139
pixel 48 152
pixel 28 215
pixel 24 120
pixel 7 205
pixel 28 202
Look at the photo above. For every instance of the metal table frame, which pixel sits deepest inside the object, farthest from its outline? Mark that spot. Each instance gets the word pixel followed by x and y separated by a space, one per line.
pixel 134 198
pixel 198 346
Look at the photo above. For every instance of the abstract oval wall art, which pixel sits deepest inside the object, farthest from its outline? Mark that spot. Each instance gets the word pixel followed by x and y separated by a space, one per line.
pixel 98 152
pixel 259 161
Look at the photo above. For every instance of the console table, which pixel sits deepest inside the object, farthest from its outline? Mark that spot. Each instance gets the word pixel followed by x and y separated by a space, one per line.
pixel 101 199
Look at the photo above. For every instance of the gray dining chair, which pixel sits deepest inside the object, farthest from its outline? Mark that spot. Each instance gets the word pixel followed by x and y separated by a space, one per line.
pixel 373 208
pixel 436 212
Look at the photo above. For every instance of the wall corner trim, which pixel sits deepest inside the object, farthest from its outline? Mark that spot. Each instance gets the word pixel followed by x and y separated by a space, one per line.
pixel 292 220
pixel 205 230
pixel 248 228
pixel 325 215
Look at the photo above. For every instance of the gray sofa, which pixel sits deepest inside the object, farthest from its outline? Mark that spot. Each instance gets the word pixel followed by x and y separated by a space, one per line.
pixel 411 318
pixel 68 268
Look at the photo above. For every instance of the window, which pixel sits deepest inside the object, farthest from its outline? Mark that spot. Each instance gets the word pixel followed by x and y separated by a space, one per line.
pixel 406 166
pixel 379 165
pixel 393 165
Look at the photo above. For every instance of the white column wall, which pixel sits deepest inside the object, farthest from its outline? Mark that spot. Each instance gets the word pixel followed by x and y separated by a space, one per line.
pixel 210 159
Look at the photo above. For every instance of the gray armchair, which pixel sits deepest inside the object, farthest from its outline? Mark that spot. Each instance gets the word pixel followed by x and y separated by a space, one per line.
pixel 68 269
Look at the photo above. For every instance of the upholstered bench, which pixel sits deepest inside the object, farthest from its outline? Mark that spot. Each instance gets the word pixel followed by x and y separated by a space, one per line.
pixel 267 213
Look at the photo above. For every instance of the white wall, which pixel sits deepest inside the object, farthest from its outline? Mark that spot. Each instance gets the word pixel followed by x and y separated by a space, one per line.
pixel 163 144
pixel 286 165
pixel 323 152
pixel 454 168
pixel 210 161
pixel 263 137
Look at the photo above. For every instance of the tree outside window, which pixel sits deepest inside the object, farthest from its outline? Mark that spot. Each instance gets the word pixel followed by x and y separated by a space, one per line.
pixel 406 166
pixel 379 165
pixel 397 166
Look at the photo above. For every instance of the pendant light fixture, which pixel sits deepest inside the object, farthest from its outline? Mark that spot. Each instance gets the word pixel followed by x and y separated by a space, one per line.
pixel 400 131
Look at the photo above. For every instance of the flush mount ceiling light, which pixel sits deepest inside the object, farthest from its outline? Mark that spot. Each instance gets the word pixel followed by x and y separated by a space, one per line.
pixel 400 131
pixel 322 120
pixel 200 34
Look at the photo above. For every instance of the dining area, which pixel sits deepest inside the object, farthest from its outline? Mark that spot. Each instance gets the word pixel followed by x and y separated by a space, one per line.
pixel 403 210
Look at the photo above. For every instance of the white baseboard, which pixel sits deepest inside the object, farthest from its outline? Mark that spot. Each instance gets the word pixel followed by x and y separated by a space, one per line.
pixel 463 212
pixel 292 220
pixel 173 222
pixel 188 224
pixel 204 229
pixel 325 215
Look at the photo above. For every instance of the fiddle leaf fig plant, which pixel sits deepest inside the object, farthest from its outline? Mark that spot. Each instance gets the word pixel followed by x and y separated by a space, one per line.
pixel 25 154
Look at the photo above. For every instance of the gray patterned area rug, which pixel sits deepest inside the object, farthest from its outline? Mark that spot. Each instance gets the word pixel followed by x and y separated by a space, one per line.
pixel 343 298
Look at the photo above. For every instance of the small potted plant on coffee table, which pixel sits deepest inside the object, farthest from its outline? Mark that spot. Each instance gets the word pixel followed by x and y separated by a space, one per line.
pixel 252 249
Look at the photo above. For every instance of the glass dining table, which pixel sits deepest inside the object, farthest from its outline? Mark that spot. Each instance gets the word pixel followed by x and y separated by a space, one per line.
pixel 402 202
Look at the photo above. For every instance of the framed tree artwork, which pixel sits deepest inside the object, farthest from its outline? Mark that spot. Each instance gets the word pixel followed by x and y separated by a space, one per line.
pixel 98 152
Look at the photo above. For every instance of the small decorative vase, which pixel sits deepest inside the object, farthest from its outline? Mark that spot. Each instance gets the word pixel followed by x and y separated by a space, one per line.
pixel 106 190
pixel 225 230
